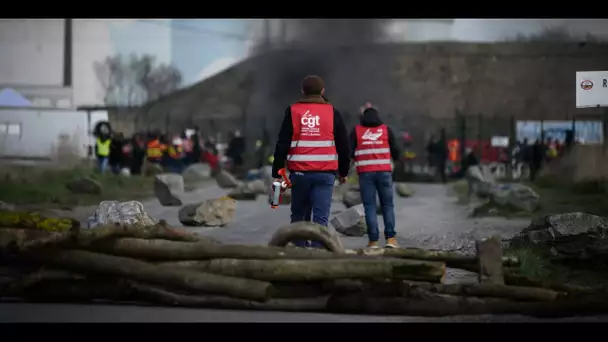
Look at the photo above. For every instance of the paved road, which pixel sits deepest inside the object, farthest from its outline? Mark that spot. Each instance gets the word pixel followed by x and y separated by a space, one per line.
pixel 429 219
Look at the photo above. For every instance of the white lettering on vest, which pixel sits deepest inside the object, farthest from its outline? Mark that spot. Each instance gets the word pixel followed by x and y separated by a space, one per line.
pixel 310 124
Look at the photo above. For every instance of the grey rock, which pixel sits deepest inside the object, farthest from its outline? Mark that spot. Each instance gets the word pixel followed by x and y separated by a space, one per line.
pixel 169 189
pixel 151 170
pixel 515 195
pixel 351 198
pixel 125 213
pixel 242 194
pixel 225 180
pixel 209 213
pixel 257 187
pixel 404 189
pixel 351 222
pixel 84 185
pixel 571 235
pixel 7 206
pixel 196 173
pixel 266 175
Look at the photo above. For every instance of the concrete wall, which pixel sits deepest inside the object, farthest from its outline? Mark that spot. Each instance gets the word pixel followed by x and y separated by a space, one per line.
pixel 31 51
pixel 38 133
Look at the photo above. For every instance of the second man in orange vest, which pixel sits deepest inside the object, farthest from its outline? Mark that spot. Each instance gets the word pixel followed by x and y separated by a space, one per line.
pixel 374 146
pixel 313 143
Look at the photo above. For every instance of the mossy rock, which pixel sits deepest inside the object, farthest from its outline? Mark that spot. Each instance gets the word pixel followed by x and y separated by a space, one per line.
pixel 27 220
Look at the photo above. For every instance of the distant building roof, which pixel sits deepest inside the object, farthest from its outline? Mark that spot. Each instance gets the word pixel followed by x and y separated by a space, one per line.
pixel 11 98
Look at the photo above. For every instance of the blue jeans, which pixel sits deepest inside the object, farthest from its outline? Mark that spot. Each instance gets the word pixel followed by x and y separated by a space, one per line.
pixel 381 182
pixel 311 194
pixel 102 164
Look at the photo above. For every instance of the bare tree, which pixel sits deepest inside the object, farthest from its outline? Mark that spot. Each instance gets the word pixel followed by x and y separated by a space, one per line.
pixel 134 80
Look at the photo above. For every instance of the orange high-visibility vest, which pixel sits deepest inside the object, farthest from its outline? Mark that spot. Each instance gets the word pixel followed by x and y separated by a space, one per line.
pixel 453 150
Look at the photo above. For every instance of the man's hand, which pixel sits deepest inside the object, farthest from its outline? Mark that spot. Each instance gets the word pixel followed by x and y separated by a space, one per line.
pixel 343 180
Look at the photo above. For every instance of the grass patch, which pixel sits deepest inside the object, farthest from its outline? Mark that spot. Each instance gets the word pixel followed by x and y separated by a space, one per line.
pixel 536 263
pixel 46 187
pixel 560 197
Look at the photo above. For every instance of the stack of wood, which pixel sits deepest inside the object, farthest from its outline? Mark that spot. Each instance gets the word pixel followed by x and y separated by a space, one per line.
pixel 161 265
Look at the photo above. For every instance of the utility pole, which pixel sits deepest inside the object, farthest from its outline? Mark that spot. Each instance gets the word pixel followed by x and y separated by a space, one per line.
pixel 267 41
pixel 67 53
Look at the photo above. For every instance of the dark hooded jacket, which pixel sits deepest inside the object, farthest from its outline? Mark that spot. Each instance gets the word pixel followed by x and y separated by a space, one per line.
pixel 370 118
pixel 284 142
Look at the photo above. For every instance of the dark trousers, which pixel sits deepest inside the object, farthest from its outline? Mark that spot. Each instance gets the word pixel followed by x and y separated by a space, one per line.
pixel 371 183
pixel 311 194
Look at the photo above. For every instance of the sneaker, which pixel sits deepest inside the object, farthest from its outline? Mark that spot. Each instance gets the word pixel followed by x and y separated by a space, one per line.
pixel 391 243
pixel 372 245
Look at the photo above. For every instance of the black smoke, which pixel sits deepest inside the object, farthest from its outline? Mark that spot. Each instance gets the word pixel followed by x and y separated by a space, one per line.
pixel 346 53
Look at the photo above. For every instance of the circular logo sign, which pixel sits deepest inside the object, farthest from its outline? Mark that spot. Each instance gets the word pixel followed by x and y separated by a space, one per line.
pixel 586 85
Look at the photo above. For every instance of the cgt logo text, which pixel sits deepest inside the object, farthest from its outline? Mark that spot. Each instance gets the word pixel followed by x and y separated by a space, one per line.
pixel 310 120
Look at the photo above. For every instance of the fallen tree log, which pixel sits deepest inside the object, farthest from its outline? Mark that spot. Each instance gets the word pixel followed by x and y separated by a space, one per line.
pixel 445 305
pixel 313 270
pixel 307 231
pixel 95 263
pixel 33 220
pixel 451 259
pixel 14 240
pixel 43 275
pixel 73 290
pixel 164 297
pixel 158 231
pixel 489 259
pixel 171 250
pixel 487 290
pixel 514 279
pixel 400 288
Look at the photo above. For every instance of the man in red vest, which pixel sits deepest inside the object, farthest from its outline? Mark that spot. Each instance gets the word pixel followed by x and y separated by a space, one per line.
pixel 313 145
pixel 374 146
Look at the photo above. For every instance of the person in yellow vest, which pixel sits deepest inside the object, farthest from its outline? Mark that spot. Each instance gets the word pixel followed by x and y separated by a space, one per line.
pixel 102 151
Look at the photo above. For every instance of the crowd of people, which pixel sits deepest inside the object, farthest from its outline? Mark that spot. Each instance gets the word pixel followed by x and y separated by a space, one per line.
pixel 117 154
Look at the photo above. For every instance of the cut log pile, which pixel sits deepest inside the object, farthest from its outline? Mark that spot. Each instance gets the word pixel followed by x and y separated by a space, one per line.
pixel 160 265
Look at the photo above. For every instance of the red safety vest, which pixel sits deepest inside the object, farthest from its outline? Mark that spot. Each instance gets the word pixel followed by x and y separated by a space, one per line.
pixel 373 152
pixel 312 144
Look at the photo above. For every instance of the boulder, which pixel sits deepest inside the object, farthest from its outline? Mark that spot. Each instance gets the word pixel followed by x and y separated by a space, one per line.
pixel 257 187
pixel 225 180
pixel 515 195
pixel 351 198
pixel 169 188
pixel 242 194
pixel 403 190
pixel 151 170
pixel 84 185
pixel 196 173
pixel 350 222
pixel 483 183
pixel 209 213
pixel 125 213
pixel 575 235
pixel 265 174
pixel 6 206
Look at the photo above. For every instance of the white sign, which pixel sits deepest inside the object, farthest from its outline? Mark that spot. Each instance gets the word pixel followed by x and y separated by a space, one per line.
pixel 498 141
pixel 591 89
